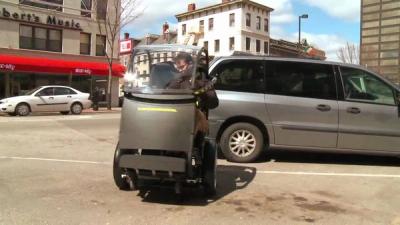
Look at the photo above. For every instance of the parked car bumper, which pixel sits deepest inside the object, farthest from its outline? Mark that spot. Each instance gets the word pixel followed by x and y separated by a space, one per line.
pixel 87 104
pixel 7 108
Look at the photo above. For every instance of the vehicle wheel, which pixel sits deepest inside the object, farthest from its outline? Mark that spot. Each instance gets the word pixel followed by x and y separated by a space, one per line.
pixel 122 183
pixel 242 143
pixel 22 110
pixel 65 112
pixel 76 108
pixel 210 169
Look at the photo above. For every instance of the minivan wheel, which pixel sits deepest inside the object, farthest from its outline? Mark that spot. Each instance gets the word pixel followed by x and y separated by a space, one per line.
pixel 242 143
pixel 76 108
pixel 22 110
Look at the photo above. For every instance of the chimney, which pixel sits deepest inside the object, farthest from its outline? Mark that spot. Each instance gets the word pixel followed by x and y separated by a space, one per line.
pixel 165 31
pixel 191 7
pixel 126 35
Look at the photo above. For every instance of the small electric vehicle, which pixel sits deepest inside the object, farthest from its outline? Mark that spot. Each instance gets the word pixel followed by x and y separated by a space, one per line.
pixel 158 139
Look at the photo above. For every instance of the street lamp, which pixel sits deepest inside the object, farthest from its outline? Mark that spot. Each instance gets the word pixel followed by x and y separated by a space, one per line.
pixel 304 16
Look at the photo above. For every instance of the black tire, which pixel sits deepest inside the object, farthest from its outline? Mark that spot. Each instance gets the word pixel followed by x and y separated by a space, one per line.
pixel 121 183
pixel 76 108
pixel 64 112
pixel 22 109
pixel 248 148
pixel 210 169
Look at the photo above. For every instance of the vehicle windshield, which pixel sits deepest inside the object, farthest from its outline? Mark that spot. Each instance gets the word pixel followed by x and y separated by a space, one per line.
pixel 32 91
pixel 163 69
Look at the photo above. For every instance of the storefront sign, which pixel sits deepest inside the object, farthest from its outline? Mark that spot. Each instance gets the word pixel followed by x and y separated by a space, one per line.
pixel 83 71
pixel 7 67
pixel 125 46
pixel 33 18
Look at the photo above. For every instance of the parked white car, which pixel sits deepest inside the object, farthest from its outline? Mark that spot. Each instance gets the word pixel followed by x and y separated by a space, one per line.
pixel 47 99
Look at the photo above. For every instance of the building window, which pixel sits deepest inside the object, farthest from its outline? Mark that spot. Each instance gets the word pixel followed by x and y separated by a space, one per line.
pixel 232 43
pixel 216 46
pixel 100 45
pixel 248 19
pixel 201 26
pixel 165 56
pixel 266 47
pixel 266 25
pixel 211 24
pixel 183 29
pixel 258 45
pixel 205 45
pixel 85 44
pixel 258 23
pixel 248 44
pixel 101 9
pixel 86 6
pixel 38 38
pixel 158 57
pixel 46 4
pixel 232 19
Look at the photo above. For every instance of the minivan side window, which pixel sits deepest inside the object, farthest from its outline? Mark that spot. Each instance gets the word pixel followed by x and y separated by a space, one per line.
pixel 241 76
pixel 298 79
pixel 362 86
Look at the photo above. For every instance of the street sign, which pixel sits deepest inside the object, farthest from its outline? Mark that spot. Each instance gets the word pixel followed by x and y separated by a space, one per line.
pixel 125 47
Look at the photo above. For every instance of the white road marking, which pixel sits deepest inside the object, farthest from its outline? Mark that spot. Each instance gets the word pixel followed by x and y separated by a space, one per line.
pixel 258 171
pixel 332 174
pixel 54 160
pixel 52 119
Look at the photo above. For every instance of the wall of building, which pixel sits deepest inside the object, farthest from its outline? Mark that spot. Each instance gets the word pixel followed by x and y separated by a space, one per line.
pixel 380 37
pixel 223 31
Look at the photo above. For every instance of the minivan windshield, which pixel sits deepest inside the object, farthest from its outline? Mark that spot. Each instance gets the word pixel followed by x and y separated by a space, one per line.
pixel 162 68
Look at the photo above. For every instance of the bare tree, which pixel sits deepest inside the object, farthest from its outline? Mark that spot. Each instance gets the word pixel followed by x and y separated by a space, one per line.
pixel 350 53
pixel 112 17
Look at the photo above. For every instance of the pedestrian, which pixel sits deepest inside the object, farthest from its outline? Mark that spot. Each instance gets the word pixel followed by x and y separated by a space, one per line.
pixel 95 98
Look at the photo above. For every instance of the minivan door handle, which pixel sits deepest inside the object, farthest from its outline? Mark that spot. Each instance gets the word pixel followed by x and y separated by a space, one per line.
pixel 354 110
pixel 324 108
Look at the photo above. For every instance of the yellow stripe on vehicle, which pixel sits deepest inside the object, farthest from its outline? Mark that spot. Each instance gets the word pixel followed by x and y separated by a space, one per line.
pixel 157 110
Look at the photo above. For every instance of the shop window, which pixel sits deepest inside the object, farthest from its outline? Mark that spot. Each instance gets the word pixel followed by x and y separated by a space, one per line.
pixel 86 6
pixel 46 4
pixel 101 9
pixel 85 44
pixel 100 45
pixel 38 38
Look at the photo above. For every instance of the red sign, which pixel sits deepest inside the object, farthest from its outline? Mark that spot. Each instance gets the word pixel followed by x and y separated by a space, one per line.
pixel 125 46
pixel 7 67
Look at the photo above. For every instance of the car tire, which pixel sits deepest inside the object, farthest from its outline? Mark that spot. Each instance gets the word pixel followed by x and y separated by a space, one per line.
pixel 210 169
pixel 76 108
pixel 120 182
pixel 22 109
pixel 242 143
pixel 64 112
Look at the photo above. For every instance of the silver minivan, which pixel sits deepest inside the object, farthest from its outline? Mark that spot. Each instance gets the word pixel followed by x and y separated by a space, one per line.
pixel 301 104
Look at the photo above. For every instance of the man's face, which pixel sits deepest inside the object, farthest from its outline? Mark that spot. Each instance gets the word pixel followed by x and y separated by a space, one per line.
pixel 181 65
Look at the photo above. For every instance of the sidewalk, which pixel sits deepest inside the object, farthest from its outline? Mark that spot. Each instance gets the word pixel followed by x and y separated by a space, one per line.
pixel 102 110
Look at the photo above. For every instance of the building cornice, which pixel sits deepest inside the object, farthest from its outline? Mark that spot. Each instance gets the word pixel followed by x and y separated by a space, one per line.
pixel 217 6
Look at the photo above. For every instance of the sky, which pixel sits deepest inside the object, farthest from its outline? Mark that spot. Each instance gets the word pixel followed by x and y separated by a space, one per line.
pixel 330 25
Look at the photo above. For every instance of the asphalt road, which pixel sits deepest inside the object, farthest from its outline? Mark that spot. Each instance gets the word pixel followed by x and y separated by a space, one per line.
pixel 58 170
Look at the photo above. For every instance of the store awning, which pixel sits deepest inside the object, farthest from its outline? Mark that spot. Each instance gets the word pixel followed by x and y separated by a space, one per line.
pixel 14 63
